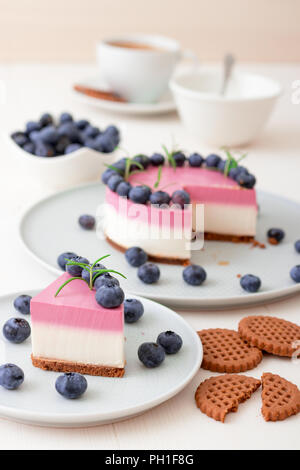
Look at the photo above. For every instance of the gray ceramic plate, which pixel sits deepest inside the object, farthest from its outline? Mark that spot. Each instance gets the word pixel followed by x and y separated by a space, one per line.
pixel 106 399
pixel 51 227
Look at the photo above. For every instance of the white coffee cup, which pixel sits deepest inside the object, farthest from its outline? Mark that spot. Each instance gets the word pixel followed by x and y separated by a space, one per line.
pixel 139 66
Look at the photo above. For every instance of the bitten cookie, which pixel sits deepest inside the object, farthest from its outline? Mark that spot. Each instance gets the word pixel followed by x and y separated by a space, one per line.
pixel 271 334
pixel 218 396
pixel 225 351
pixel 280 398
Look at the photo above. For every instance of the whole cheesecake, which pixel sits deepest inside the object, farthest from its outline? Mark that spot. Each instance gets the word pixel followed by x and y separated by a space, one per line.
pixel 219 208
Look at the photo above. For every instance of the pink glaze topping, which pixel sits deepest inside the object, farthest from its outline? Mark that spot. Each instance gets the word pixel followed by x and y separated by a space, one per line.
pixel 74 306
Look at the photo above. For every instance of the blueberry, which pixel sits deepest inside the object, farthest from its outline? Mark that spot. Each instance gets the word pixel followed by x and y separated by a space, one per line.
pixel 74 270
pixel 62 144
pixel 49 135
pixel 81 124
pixel 140 194
pixel 65 117
pixel 151 354
pixel 16 330
pixel 22 304
pixel 295 273
pixel 160 197
pixel 105 280
pixel 106 143
pixel 29 147
pixel 275 235
pixel 72 148
pixel 90 131
pixel 181 198
pixel 11 376
pixel 61 260
pixel 114 181
pixel 69 130
pixel 107 174
pixel 91 144
pixel 120 165
pixel 246 180
pixel 46 119
pixel 170 341
pixel 157 159
pixel 112 131
pixel 222 165
pixel 20 138
pixel 250 283
pixel 143 160
pixel 149 273
pixel 32 126
pixel 136 256
pixel 35 136
pixel 212 160
pixel 123 188
pixel 297 246
pixel 133 310
pixel 87 221
pixel 179 158
pixel 44 150
pixel 86 274
pixel 71 385
pixel 109 296
pixel 194 275
pixel 196 160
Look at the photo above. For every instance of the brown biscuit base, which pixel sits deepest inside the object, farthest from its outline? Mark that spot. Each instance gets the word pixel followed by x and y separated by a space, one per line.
pixel 280 398
pixel 228 238
pixel 65 366
pixel 271 334
pixel 225 351
pixel 218 396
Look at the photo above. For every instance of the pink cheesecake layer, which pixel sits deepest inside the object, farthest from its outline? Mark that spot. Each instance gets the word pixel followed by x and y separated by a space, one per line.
pixel 74 306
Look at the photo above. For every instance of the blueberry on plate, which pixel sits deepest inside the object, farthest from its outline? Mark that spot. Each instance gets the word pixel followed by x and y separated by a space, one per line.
pixel 160 197
pixel 49 135
pixel 46 119
pixel 71 385
pixel 196 160
pixel 149 273
pixel 20 138
pixel 194 275
pixel 72 148
pixel 133 310
pixel 123 188
pixel 250 283
pixel 143 160
pixel 151 354
pixel 212 160
pixel 109 296
pixel 181 198
pixel 297 246
pixel 29 147
pixel 107 174
pixel 65 117
pixel 86 274
pixel 11 376
pixel 87 221
pixel 105 279
pixel 140 194
pixel 179 158
pixel 114 181
pixel 74 270
pixel 295 273
pixel 170 341
pixel 22 304
pixel 62 261
pixel 275 235
pixel 157 159
pixel 16 330
pixel 44 150
pixel 246 180
pixel 32 126
pixel 136 256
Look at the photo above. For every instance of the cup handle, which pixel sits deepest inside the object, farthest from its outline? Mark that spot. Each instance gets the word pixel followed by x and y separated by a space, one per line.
pixel 188 54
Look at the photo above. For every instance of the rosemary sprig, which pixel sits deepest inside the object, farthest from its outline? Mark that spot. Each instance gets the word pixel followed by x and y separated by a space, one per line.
pixel 231 161
pixel 170 157
pixel 156 184
pixel 129 163
pixel 89 268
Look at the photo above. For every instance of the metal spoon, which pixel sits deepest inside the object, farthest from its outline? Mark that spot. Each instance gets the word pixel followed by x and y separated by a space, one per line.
pixel 228 64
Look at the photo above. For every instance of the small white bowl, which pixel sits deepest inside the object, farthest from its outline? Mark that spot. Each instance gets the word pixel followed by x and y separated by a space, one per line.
pixel 230 120
pixel 82 166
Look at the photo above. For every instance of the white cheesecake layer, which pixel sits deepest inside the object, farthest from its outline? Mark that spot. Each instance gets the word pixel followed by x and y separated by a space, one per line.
pixel 82 345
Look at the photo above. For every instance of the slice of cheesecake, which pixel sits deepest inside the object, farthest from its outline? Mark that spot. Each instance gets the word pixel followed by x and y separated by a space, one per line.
pixel 73 333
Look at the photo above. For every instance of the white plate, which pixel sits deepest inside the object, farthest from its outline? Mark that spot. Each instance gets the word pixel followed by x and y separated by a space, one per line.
pixel 106 399
pixel 165 105
pixel 51 227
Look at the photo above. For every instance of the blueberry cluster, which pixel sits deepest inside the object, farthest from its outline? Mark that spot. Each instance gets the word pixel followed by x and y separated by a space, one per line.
pixel 47 138
pixel 153 354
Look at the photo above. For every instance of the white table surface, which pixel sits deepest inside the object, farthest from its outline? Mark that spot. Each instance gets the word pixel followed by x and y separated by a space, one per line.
pixel 274 158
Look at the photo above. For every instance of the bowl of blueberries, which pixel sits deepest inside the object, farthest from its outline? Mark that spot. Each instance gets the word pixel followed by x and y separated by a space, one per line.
pixel 62 151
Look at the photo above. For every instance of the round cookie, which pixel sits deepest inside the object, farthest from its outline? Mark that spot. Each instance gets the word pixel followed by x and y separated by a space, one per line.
pixel 225 351
pixel 280 398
